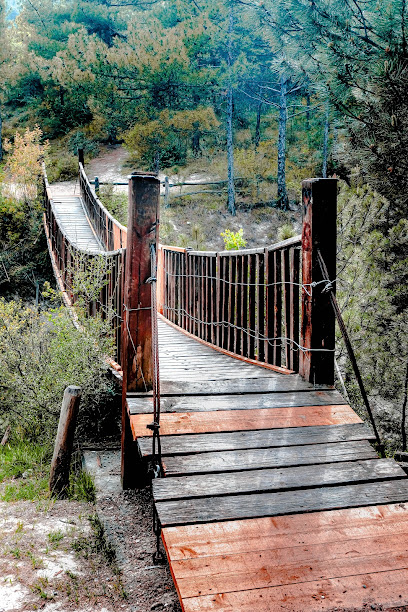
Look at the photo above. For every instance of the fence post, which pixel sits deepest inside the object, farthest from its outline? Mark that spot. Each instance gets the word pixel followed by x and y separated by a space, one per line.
pixel 142 232
pixel 319 197
pixel 96 185
pixel 81 158
pixel 61 460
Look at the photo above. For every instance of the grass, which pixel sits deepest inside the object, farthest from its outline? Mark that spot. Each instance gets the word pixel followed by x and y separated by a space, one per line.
pixel 24 472
pixel 55 537
pixel 96 543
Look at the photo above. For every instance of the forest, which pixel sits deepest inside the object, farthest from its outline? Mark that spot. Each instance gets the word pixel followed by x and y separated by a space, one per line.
pixel 259 94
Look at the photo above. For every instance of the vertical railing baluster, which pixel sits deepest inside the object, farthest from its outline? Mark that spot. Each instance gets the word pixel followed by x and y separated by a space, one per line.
pixel 252 306
pixel 277 306
pixel 261 305
pixel 286 307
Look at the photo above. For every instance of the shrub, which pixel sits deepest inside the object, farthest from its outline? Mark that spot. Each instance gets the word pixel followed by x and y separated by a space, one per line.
pixel 286 231
pixel 42 353
pixel 233 240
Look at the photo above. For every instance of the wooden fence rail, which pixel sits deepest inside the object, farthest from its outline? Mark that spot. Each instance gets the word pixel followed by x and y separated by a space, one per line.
pixel 264 305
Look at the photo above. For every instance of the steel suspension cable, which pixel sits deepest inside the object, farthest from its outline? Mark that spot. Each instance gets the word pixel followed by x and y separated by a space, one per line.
pixel 350 351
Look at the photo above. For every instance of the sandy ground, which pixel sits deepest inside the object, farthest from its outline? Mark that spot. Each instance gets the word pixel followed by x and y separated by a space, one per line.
pixel 51 559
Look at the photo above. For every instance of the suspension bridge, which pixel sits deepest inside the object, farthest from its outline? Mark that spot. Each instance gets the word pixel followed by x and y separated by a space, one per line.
pixel 269 492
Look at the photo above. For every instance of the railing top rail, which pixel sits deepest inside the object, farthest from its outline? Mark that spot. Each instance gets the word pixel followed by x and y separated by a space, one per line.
pixel 284 244
pixel 61 229
pixel 97 200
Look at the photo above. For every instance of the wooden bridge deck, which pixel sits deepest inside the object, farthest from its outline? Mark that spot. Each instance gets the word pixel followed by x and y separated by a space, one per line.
pixel 71 215
pixel 273 497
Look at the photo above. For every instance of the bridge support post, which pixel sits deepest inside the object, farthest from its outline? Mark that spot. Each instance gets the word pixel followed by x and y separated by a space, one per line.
pixel 142 232
pixel 319 197
pixel 81 158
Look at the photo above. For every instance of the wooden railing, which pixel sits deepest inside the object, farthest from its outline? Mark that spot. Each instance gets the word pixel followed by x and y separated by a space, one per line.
pixel 244 302
pixel 266 306
pixel 70 263
pixel 110 232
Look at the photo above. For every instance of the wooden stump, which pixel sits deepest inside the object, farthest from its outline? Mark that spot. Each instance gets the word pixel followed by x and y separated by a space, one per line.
pixel 61 460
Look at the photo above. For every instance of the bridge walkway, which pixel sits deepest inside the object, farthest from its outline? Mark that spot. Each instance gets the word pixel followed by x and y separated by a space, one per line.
pixel 70 213
pixel 273 497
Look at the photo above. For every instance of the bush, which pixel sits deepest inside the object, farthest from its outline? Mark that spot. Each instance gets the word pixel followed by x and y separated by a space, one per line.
pixel 42 353
pixel 233 240
pixel 63 168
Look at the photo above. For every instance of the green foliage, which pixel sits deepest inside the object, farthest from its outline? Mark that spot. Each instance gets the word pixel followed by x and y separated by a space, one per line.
pixel 286 231
pixel 115 202
pixel 42 353
pixel 21 457
pixel 233 240
pixel 369 292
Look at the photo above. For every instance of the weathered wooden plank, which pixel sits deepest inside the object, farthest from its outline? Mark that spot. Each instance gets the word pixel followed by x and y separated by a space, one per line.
pixel 234 420
pixel 268 568
pixel 206 510
pixel 266 438
pixel 274 383
pixel 257 458
pixel 260 481
pixel 142 405
pixel 191 541
pixel 387 589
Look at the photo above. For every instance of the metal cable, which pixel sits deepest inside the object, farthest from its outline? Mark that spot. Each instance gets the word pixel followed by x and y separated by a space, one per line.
pixel 349 347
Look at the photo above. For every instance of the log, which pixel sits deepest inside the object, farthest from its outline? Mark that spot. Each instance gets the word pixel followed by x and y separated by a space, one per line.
pixel 61 460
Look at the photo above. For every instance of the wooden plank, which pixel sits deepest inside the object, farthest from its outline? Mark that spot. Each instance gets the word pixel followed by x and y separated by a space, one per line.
pixel 292 530
pixel 234 420
pixel 266 438
pixel 212 509
pixel 275 383
pixel 263 568
pixel 387 589
pixel 238 402
pixel 258 458
pixel 261 481
pixel 268 367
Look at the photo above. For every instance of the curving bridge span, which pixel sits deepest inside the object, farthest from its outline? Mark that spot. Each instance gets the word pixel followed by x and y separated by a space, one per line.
pixel 270 492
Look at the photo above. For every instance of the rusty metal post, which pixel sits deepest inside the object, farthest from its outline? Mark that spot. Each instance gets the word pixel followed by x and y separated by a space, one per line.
pixel 137 366
pixel 319 197
pixel 81 158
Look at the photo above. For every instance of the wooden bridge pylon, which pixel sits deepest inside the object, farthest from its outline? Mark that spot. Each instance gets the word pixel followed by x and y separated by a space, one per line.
pixel 273 497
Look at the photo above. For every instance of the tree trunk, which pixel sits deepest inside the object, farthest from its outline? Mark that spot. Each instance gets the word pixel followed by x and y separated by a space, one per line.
pixel 230 104
pixel 282 193
pixel 156 167
pixel 1 135
pixel 326 141
pixel 404 412
pixel 196 140
pixel 258 126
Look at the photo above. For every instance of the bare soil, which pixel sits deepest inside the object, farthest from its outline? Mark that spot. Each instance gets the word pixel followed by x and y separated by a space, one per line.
pixel 73 556
pixel 51 560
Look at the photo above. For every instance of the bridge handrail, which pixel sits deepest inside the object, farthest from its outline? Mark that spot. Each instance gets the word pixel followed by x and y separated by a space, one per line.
pixel 67 259
pixel 244 302
pixel 110 232
pixel 269 305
